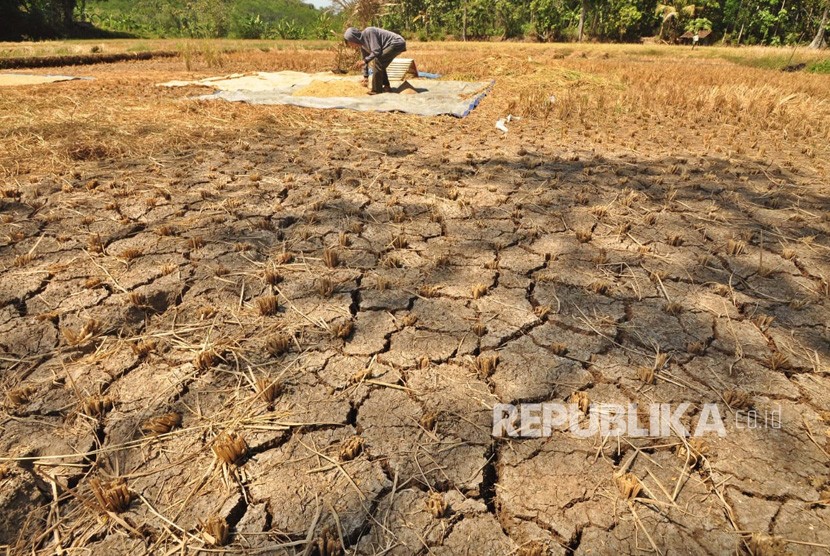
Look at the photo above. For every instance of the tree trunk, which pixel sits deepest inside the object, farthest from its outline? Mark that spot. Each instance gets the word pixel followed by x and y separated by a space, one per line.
pixel 68 7
pixel 582 19
pixel 819 42
pixel 464 24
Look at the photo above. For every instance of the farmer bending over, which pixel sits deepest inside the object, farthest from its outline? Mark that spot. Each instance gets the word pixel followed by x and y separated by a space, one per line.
pixel 378 46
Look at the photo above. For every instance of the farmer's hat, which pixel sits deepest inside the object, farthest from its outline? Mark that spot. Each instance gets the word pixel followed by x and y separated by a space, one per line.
pixel 352 35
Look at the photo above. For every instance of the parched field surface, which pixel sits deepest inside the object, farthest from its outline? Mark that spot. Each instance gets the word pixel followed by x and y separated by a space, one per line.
pixel 278 330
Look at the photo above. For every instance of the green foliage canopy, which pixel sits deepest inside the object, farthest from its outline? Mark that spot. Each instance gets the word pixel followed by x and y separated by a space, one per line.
pixel 771 22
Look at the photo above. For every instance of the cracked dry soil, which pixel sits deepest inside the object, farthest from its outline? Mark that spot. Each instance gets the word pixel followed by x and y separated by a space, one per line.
pixel 275 330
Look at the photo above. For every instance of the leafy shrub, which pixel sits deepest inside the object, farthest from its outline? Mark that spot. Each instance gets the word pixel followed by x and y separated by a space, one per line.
pixel 822 66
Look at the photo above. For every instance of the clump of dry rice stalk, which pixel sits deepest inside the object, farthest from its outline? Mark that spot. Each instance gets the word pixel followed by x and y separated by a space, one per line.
pixel 584 236
pixel 96 406
pixel 113 496
pixel 559 349
pixel 735 247
pixel 478 290
pixel 331 258
pixel 429 291
pixel 628 485
pixel 409 319
pixel 542 311
pixel 87 332
pixel 351 448
pixel 268 389
pixel 391 260
pixel 267 305
pixel 429 420
pixel 23 260
pixel 278 344
pixel 284 258
pixel 777 361
pixel 436 505
pixel 328 544
pixel 646 374
pixel 206 312
pixel 271 277
pixel 737 399
pixel 696 348
pixel 761 544
pixel 325 287
pixel 694 451
pixel 215 530
pixel 19 396
pixel 582 401
pixel 343 330
pixel 649 374
pixel 763 322
pixel 230 448
pixel 599 287
pixel 143 348
pixel 533 548
pixel 361 375
pixel 130 254
pixel 137 299
pixel 161 424
pixel 485 364
pixel 382 283
pixel 206 359
pixel 400 242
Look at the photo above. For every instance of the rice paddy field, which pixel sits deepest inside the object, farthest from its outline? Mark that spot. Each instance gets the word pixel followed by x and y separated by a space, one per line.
pixel 243 329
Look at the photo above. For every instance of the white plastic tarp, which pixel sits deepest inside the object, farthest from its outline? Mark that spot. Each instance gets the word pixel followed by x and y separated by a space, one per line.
pixel 433 98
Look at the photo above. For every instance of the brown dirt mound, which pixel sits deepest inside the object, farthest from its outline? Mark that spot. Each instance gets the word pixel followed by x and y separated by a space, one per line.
pixel 332 89
pixel 81 60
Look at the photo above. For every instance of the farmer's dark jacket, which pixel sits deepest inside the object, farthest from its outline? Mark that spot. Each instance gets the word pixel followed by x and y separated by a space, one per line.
pixel 373 41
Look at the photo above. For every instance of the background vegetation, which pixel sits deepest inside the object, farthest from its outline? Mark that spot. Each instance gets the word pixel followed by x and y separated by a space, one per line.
pixel 767 22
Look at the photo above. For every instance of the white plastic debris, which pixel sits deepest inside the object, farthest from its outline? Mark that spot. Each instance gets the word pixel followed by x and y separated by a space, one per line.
pixel 500 125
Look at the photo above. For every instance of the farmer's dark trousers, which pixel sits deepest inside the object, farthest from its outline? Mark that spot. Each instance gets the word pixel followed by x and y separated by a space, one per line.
pixel 380 81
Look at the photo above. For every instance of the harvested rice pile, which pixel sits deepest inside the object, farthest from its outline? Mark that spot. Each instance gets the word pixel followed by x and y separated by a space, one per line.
pixel 407 89
pixel 21 79
pixel 332 89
